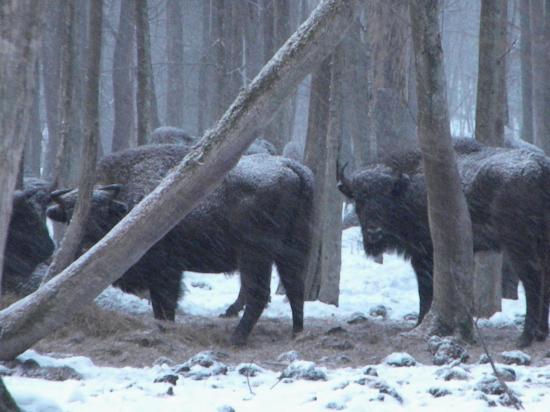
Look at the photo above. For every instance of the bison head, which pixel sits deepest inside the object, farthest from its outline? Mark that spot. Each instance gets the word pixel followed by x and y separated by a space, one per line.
pixel 105 211
pixel 378 193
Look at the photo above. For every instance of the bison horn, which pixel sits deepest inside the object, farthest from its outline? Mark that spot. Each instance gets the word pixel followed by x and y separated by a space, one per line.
pixel 113 189
pixel 344 184
pixel 55 196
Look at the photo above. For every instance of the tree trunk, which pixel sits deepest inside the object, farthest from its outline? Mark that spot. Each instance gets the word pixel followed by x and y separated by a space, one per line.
pixel 65 92
pixel 69 247
pixel 51 66
pixel 123 88
pixel 539 61
pixel 252 43
pixel 392 126
pixel 544 103
pixel 206 71
pixel 526 72
pixel 490 120
pixel 357 91
pixel 42 312
pixel 449 218
pixel 19 21
pixel 322 144
pixel 174 58
pixel 147 113
pixel 219 52
pixel 33 141
pixel 276 19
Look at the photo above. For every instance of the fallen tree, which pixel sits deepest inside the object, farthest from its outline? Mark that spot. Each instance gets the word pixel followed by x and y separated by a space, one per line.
pixel 37 315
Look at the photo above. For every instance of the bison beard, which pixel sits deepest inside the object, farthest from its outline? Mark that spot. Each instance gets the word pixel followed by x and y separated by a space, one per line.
pixel 508 195
pixel 259 216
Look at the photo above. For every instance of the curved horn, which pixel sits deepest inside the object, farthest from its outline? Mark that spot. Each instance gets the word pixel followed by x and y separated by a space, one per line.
pixel 343 183
pixel 55 196
pixel 113 189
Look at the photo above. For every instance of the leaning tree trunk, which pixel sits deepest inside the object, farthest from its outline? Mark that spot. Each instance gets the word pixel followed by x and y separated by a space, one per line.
pixel 19 21
pixel 450 225
pixel 42 312
pixel 73 236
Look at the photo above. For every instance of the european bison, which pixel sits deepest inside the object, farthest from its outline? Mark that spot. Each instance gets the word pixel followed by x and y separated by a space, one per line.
pixel 28 243
pixel 508 194
pixel 260 215
pixel 175 135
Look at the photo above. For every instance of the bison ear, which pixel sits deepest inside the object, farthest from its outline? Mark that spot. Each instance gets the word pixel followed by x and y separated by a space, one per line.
pixel 344 183
pixel 401 184
pixel 112 190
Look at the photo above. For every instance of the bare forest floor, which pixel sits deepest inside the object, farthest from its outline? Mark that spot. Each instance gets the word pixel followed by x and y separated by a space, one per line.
pixel 115 339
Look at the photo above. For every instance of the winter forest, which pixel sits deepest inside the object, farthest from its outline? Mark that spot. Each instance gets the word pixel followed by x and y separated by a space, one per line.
pixel 303 205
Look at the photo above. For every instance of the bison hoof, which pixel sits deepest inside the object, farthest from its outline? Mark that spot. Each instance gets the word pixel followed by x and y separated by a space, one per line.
pixel 525 341
pixel 230 313
pixel 238 340
pixel 297 332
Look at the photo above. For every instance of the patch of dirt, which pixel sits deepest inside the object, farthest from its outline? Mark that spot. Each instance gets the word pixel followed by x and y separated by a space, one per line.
pixel 114 339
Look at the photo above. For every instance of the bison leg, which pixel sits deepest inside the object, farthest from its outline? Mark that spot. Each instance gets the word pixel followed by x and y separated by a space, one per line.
pixel 423 270
pixel 234 309
pixel 291 274
pixel 255 277
pixel 531 277
pixel 165 292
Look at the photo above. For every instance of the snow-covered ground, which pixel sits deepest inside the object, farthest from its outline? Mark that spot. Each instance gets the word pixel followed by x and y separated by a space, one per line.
pixel 364 284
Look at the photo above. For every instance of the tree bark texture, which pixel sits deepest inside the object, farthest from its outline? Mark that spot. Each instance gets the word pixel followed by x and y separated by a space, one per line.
pixel 51 67
pixel 123 87
pixel 19 22
pixel 449 218
pixel 69 247
pixel 391 123
pixel 175 70
pixel 206 73
pixel 33 141
pixel 539 18
pixel 66 94
pixel 489 129
pixel 489 111
pixel 527 132
pixel 147 113
pixel 40 313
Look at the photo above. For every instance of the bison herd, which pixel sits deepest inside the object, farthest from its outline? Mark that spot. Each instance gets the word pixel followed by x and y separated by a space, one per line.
pixel 261 216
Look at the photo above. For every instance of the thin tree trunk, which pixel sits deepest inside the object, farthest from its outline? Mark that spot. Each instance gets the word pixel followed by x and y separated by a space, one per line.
pixel 450 224
pixel 544 109
pixel 69 247
pixel 143 94
pixel 51 66
pixel 526 72
pixel 219 52
pixel 205 74
pixel 33 141
pixel 42 312
pixel 537 31
pixel 66 92
pixel 174 57
pixel 124 112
